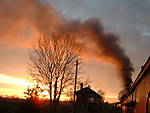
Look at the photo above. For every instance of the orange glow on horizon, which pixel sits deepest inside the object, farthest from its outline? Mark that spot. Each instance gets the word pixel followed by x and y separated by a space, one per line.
pixel 13 81
pixel 16 87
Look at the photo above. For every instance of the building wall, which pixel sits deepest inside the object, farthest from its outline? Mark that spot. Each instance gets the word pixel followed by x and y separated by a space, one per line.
pixel 140 95
pixel 125 109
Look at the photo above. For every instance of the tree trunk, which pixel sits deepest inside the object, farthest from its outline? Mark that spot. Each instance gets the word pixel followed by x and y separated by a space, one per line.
pixel 55 106
pixel 50 97
pixel 50 92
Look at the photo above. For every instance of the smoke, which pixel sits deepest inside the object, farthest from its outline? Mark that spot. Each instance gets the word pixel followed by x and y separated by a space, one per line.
pixel 103 45
pixel 21 20
pixel 108 46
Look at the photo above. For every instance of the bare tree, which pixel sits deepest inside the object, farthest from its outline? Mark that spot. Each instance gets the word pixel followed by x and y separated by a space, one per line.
pixel 52 62
pixel 102 94
pixel 69 91
pixel 34 93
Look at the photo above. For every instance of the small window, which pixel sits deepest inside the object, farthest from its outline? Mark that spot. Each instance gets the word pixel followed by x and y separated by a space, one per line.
pixel 148 103
pixel 90 99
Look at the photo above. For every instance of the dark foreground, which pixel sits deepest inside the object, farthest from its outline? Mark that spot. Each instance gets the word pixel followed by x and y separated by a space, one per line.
pixel 13 105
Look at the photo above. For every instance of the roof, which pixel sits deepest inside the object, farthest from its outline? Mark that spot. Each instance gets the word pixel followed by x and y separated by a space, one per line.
pixel 87 90
pixel 140 76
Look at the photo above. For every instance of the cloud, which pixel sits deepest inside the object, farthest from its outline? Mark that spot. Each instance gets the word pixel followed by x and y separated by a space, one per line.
pixel 8 86
pixel 4 79
pixel 23 20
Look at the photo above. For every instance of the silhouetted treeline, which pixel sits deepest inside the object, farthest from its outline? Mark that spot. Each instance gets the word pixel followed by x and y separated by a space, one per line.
pixel 15 105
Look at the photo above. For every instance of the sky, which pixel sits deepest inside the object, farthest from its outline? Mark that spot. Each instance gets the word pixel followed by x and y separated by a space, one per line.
pixel 129 19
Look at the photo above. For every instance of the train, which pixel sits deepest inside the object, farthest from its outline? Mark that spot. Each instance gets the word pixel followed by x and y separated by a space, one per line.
pixel 137 100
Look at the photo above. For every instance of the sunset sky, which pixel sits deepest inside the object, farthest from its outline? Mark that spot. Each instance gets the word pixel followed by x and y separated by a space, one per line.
pixel 19 27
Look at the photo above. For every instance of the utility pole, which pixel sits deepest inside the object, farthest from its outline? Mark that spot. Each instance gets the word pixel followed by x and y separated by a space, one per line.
pixel 75 83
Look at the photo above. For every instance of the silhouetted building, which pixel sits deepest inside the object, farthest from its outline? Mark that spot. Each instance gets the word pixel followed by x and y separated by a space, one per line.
pixel 86 97
pixel 138 98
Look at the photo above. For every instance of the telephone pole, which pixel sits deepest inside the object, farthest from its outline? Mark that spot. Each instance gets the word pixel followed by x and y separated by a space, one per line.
pixel 75 83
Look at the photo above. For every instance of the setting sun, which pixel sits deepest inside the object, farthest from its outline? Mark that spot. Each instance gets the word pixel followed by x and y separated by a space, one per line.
pixel 16 87
pixel 13 86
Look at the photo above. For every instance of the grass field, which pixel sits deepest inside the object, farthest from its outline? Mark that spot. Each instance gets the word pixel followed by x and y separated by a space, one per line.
pixel 15 105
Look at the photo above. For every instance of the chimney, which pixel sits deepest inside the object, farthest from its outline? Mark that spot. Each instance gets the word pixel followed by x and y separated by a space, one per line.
pixel 81 85
pixel 89 86
pixel 142 67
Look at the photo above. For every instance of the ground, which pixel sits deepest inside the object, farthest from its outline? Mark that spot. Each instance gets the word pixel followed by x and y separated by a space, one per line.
pixel 13 105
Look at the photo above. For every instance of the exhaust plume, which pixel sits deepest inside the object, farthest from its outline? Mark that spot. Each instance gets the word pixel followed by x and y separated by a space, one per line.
pixel 108 45
pixel 23 20
pixel 104 46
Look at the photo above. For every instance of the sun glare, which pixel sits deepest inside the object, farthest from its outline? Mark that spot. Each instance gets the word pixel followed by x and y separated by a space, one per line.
pixel 17 86
pixel 13 81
